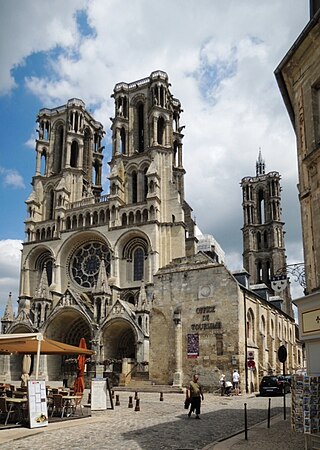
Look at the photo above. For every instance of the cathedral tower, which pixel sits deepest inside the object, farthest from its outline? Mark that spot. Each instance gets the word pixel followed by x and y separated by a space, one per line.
pixel 89 259
pixel 263 231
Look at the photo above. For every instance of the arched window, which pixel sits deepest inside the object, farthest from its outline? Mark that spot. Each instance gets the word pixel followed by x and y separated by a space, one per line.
pixel 145 179
pixel 44 261
pixel 74 154
pixel 258 240
pixel 140 127
pixel 175 153
pixel 259 272
pixel 58 148
pixel 123 148
pixel 219 344
pixel 261 206
pixel 43 168
pixel 124 219
pixel 86 151
pixel 50 210
pixel 250 326
pixel 134 187
pixel 135 253
pixel 160 131
pixel 145 215
pixel 131 218
pixel 138 264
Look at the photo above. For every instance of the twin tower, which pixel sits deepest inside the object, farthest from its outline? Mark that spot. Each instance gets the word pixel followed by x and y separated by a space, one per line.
pixel 91 250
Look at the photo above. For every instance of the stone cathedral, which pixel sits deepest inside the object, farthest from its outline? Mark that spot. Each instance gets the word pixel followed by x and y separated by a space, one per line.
pixel 122 269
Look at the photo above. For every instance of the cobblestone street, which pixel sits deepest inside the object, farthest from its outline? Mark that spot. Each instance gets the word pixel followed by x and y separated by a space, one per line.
pixel 159 425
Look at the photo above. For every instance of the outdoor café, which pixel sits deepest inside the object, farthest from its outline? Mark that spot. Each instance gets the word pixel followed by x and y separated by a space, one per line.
pixel 34 403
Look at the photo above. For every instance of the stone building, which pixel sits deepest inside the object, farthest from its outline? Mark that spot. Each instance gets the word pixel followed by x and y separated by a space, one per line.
pixel 298 77
pixel 122 269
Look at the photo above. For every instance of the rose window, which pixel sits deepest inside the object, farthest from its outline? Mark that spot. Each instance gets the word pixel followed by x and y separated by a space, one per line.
pixel 85 263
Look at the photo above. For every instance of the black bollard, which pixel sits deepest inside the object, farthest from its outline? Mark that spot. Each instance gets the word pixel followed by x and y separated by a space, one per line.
pixel 130 404
pixel 137 408
pixel 269 412
pixel 245 422
pixel 112 394
pixel 136 395
pixel 161 396
pixel 117 400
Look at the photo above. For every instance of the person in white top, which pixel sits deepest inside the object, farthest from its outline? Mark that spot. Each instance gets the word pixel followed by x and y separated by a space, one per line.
pixel 236 381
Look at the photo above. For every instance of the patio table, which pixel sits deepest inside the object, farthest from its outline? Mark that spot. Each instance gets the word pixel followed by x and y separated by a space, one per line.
pixel 17 404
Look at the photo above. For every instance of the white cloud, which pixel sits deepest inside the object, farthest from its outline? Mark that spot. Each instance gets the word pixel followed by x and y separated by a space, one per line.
pixel 11 178
pixel 33 26
pixel 10 255
pixel 220 58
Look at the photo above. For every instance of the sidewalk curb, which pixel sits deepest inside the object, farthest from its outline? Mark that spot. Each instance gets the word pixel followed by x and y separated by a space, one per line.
pixel 228 442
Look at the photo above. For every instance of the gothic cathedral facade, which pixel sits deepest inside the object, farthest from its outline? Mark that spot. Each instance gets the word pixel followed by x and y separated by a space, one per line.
pixel 122 270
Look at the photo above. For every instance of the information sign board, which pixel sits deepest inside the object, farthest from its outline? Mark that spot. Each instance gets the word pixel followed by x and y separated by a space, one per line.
pixel 98 394
pixel 37 399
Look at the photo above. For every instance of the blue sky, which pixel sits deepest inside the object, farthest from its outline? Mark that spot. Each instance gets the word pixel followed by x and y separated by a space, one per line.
pixel 220 58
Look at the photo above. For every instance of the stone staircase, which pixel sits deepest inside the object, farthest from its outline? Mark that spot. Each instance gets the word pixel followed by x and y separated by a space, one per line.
pixel 140 383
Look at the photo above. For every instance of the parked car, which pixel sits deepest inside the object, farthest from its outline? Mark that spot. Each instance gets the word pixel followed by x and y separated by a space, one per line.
pixel 273 385
pixel 286 378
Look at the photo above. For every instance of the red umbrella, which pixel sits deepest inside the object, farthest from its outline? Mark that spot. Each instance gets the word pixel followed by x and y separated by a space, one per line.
pixel 81 362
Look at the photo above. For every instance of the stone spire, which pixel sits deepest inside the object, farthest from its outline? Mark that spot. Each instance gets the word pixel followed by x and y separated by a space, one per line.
pixel 8 312
pixel 43 287
pixel 260 165
pixel 102 285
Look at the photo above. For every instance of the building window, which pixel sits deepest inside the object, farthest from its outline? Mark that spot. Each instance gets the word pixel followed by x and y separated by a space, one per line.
pixel 261 206
pixel 135 253
pixel 160 131
pixel 74 154
pixel 134 187
pixel 85 263
pixel 140 128
pixel 316 112
pixel 138 264
pixel 250 326
pixel 219 344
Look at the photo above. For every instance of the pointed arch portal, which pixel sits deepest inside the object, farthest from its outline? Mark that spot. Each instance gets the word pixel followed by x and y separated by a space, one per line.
pixel 119 340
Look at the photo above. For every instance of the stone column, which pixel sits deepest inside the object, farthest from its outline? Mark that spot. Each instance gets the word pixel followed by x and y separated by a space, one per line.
pixel 117 148
pixel 38 163
pixel 179 155
pixel 155 137
pixel 177 377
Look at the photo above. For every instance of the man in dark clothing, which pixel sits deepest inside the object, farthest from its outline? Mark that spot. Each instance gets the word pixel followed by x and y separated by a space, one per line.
pixel 195 394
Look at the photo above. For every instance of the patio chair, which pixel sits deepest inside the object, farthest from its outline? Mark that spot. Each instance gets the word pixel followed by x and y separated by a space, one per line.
pixel 5 412
pixel 58 405
pixel 76 404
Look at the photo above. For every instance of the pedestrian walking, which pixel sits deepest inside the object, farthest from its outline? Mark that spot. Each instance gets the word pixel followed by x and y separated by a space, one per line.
pixel 236 381
pixel 222 385
pixel 196 395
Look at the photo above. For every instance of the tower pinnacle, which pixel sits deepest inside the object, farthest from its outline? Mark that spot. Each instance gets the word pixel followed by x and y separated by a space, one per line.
pixel 260 164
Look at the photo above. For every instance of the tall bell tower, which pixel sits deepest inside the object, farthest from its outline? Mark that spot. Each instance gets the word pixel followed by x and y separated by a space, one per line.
pixel 263 230
pixel 146 167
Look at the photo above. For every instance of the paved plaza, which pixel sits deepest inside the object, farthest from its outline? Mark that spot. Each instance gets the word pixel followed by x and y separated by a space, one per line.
pixel 159 425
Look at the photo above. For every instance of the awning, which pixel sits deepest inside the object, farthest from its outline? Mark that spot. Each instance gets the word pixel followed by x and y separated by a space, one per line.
pixel 36 343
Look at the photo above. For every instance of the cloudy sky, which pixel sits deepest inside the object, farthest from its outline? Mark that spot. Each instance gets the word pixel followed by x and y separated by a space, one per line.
pixel 220 57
